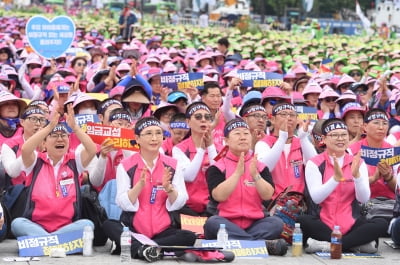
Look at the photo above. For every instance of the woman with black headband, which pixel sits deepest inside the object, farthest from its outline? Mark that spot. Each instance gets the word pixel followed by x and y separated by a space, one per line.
pixel 196 154
pixel 53 180
pixel 32 120
pixel 382 177
pixel 238 183
pixel 338 182
pixel 149 186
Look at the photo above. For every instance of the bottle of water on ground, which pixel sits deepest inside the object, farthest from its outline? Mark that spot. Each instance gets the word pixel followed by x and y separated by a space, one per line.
pixel 297 241
pixel 126 245
pixel 87 241
pixel 222 236
pixel 336 243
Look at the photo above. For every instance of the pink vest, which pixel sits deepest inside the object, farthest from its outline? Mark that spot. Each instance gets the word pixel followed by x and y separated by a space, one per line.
pixel 244 205
pixel 15 143
pixel 290 171
pixel 379 188
pixel 167 146
pixel 198 189
pixel 18 132
pixel 54 200
pixel 111 168
pixel 218 134
pixel 337 209
pixel 152 216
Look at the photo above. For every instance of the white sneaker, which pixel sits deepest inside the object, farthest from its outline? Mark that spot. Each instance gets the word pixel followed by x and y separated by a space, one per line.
pixel 370 248
pixel 317 246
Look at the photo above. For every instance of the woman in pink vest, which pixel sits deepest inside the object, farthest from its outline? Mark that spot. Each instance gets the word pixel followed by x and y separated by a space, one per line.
pixel 149 186
pixel 196 154
pixel 238 183
pixel 382 177
pixel 54 204
pixel 10 108
pixel 338 182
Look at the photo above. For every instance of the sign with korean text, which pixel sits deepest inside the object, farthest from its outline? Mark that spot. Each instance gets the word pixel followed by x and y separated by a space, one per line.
pixel 50 38
pixel 193 223
pixel 259 79
pixel 305 113
pixel 121 137
pixel 182 81
pixel 34 246
pixel 372 156
pixel 242 248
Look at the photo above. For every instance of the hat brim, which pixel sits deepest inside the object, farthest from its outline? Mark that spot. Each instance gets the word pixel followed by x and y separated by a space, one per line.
pixel 137 97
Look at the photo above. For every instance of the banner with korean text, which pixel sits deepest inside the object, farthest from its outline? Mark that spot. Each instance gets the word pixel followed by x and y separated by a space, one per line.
pixel 259 79
pixel 34 246
pixel 182 81
pixel 372 156
pixel 121 137
pixel 242 248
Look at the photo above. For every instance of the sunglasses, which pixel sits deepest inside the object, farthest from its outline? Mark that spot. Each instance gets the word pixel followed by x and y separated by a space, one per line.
pixel 61 60
pixel 34 66
pixel 360 92
pixel 355 74
pixel 330 99
pixel 81 64
pixel 272 102
pixel 199 117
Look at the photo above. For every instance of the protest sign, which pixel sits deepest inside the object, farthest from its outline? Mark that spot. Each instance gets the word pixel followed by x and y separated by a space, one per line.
pixel 259 79
pixel 50 39
pixel 31 246
pixel 242 248
pixel 193 223
pixel 121 137
pixel 304 113
pixel 182 81
pixel 372 156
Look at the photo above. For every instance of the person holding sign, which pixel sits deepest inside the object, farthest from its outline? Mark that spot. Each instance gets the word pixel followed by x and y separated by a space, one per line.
pixel 53 180
pixel 196 153
pixel 338 182
pixel 382 177
pixel 149 186
pixel 283 152
pixel 238 183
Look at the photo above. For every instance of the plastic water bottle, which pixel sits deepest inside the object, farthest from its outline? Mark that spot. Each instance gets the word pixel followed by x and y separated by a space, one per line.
pixel 87 241
pixel 126 245
pixel 336 243
pixel 297 241
pixel 222 236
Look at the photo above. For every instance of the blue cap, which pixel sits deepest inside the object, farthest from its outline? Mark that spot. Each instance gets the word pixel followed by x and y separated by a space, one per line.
pixel 174 96
pixel 252 96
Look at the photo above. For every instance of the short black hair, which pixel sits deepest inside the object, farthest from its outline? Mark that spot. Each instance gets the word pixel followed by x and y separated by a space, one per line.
pixel 209 85
pixel 178 117
pixel 223 41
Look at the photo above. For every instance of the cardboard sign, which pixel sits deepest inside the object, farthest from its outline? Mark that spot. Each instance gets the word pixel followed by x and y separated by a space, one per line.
pixel 242 248
pixel 50 39
pixel 41 245
pixel 259 79
pixel 182 81
pixel 121 137
pixel 193 223
pixel 306 112
pixel 372 156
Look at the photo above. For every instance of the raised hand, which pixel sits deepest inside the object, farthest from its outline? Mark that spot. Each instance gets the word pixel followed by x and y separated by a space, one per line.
pixel 166 180
pixel 355 165
pixel 338 173
pixel 106 147
pixel 239 171
pixel 253 167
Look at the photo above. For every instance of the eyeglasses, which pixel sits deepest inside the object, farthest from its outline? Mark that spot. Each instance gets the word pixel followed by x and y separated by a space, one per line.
pixel 258 116
pixel 42 121
pixel 61 60
pixel 285 114
pixel 199 117
pixel 355 74
pixel 81 64
pixel 330 99
pixel 150 134
pixel 336 136
pixel 57 135
pixel 360 92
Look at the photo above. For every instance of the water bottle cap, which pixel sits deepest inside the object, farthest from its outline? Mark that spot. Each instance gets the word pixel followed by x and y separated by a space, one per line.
pixel 126 228
pixel 297 225
pixel 222 225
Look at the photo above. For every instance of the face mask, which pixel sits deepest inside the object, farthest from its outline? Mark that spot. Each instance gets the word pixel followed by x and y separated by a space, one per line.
pixel 87 111
pixel 12 123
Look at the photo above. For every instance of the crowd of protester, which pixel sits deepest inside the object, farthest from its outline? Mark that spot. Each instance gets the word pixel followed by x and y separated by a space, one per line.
pixel 224 151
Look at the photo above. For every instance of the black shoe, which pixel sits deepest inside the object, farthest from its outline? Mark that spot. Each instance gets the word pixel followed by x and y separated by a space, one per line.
pixel 116 249
pixel 151 253
pixel 276 247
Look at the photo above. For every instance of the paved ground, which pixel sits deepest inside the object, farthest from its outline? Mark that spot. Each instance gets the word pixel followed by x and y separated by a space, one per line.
pixel 8 248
